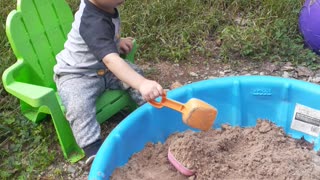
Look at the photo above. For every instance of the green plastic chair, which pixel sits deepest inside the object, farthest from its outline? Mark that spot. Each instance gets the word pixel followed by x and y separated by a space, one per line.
pixel 37 30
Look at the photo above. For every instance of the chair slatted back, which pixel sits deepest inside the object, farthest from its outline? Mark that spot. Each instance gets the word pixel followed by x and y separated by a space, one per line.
pixel 37 31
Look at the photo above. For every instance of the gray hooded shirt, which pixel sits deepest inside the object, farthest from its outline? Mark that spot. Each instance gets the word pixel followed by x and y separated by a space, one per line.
pixel 94 34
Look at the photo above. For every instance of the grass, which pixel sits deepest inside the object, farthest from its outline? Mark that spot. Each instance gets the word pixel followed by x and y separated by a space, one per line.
pixel 171 30
pixel 264 30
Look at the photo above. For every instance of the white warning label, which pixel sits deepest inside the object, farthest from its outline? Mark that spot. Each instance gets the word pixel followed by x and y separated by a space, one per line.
pixel 306 120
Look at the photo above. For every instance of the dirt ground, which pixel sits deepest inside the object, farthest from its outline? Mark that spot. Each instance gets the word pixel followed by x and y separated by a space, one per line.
pixel 261 152
pixel 171 75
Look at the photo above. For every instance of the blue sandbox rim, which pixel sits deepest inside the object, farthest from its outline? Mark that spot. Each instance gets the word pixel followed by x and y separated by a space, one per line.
pixel 240 101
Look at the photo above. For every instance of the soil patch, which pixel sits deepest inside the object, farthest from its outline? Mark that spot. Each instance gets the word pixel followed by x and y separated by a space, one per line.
pixel 260 152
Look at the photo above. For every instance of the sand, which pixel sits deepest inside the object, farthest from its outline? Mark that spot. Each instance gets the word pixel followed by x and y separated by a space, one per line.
pixel 260 152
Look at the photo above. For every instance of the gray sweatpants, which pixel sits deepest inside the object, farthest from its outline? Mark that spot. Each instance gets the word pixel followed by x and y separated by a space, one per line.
pixel 79 94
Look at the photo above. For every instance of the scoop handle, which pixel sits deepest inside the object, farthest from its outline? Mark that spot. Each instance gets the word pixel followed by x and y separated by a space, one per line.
pixel 175 105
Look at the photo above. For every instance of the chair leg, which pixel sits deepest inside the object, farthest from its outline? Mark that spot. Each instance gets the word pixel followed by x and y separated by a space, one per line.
pixel 71 151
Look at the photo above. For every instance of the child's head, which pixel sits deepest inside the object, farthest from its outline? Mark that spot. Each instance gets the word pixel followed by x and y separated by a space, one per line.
pixel 107 5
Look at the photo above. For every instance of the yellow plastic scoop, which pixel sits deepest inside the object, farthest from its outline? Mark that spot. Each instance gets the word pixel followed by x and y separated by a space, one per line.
pixel 195 113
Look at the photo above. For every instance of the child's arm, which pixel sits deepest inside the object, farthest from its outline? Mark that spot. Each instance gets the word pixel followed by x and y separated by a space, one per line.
pixel 149 89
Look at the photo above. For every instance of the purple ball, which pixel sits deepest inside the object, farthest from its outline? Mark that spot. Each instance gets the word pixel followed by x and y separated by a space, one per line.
pixel 309 24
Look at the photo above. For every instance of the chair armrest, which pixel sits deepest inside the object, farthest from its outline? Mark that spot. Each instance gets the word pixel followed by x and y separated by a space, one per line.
pixel 130 55
pixel 29 93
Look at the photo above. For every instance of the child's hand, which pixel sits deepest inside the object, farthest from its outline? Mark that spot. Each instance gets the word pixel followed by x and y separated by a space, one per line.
pixel 150 89
pixel 125 45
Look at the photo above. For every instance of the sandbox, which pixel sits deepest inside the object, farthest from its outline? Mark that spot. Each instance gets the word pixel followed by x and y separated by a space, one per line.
pixel 240 101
